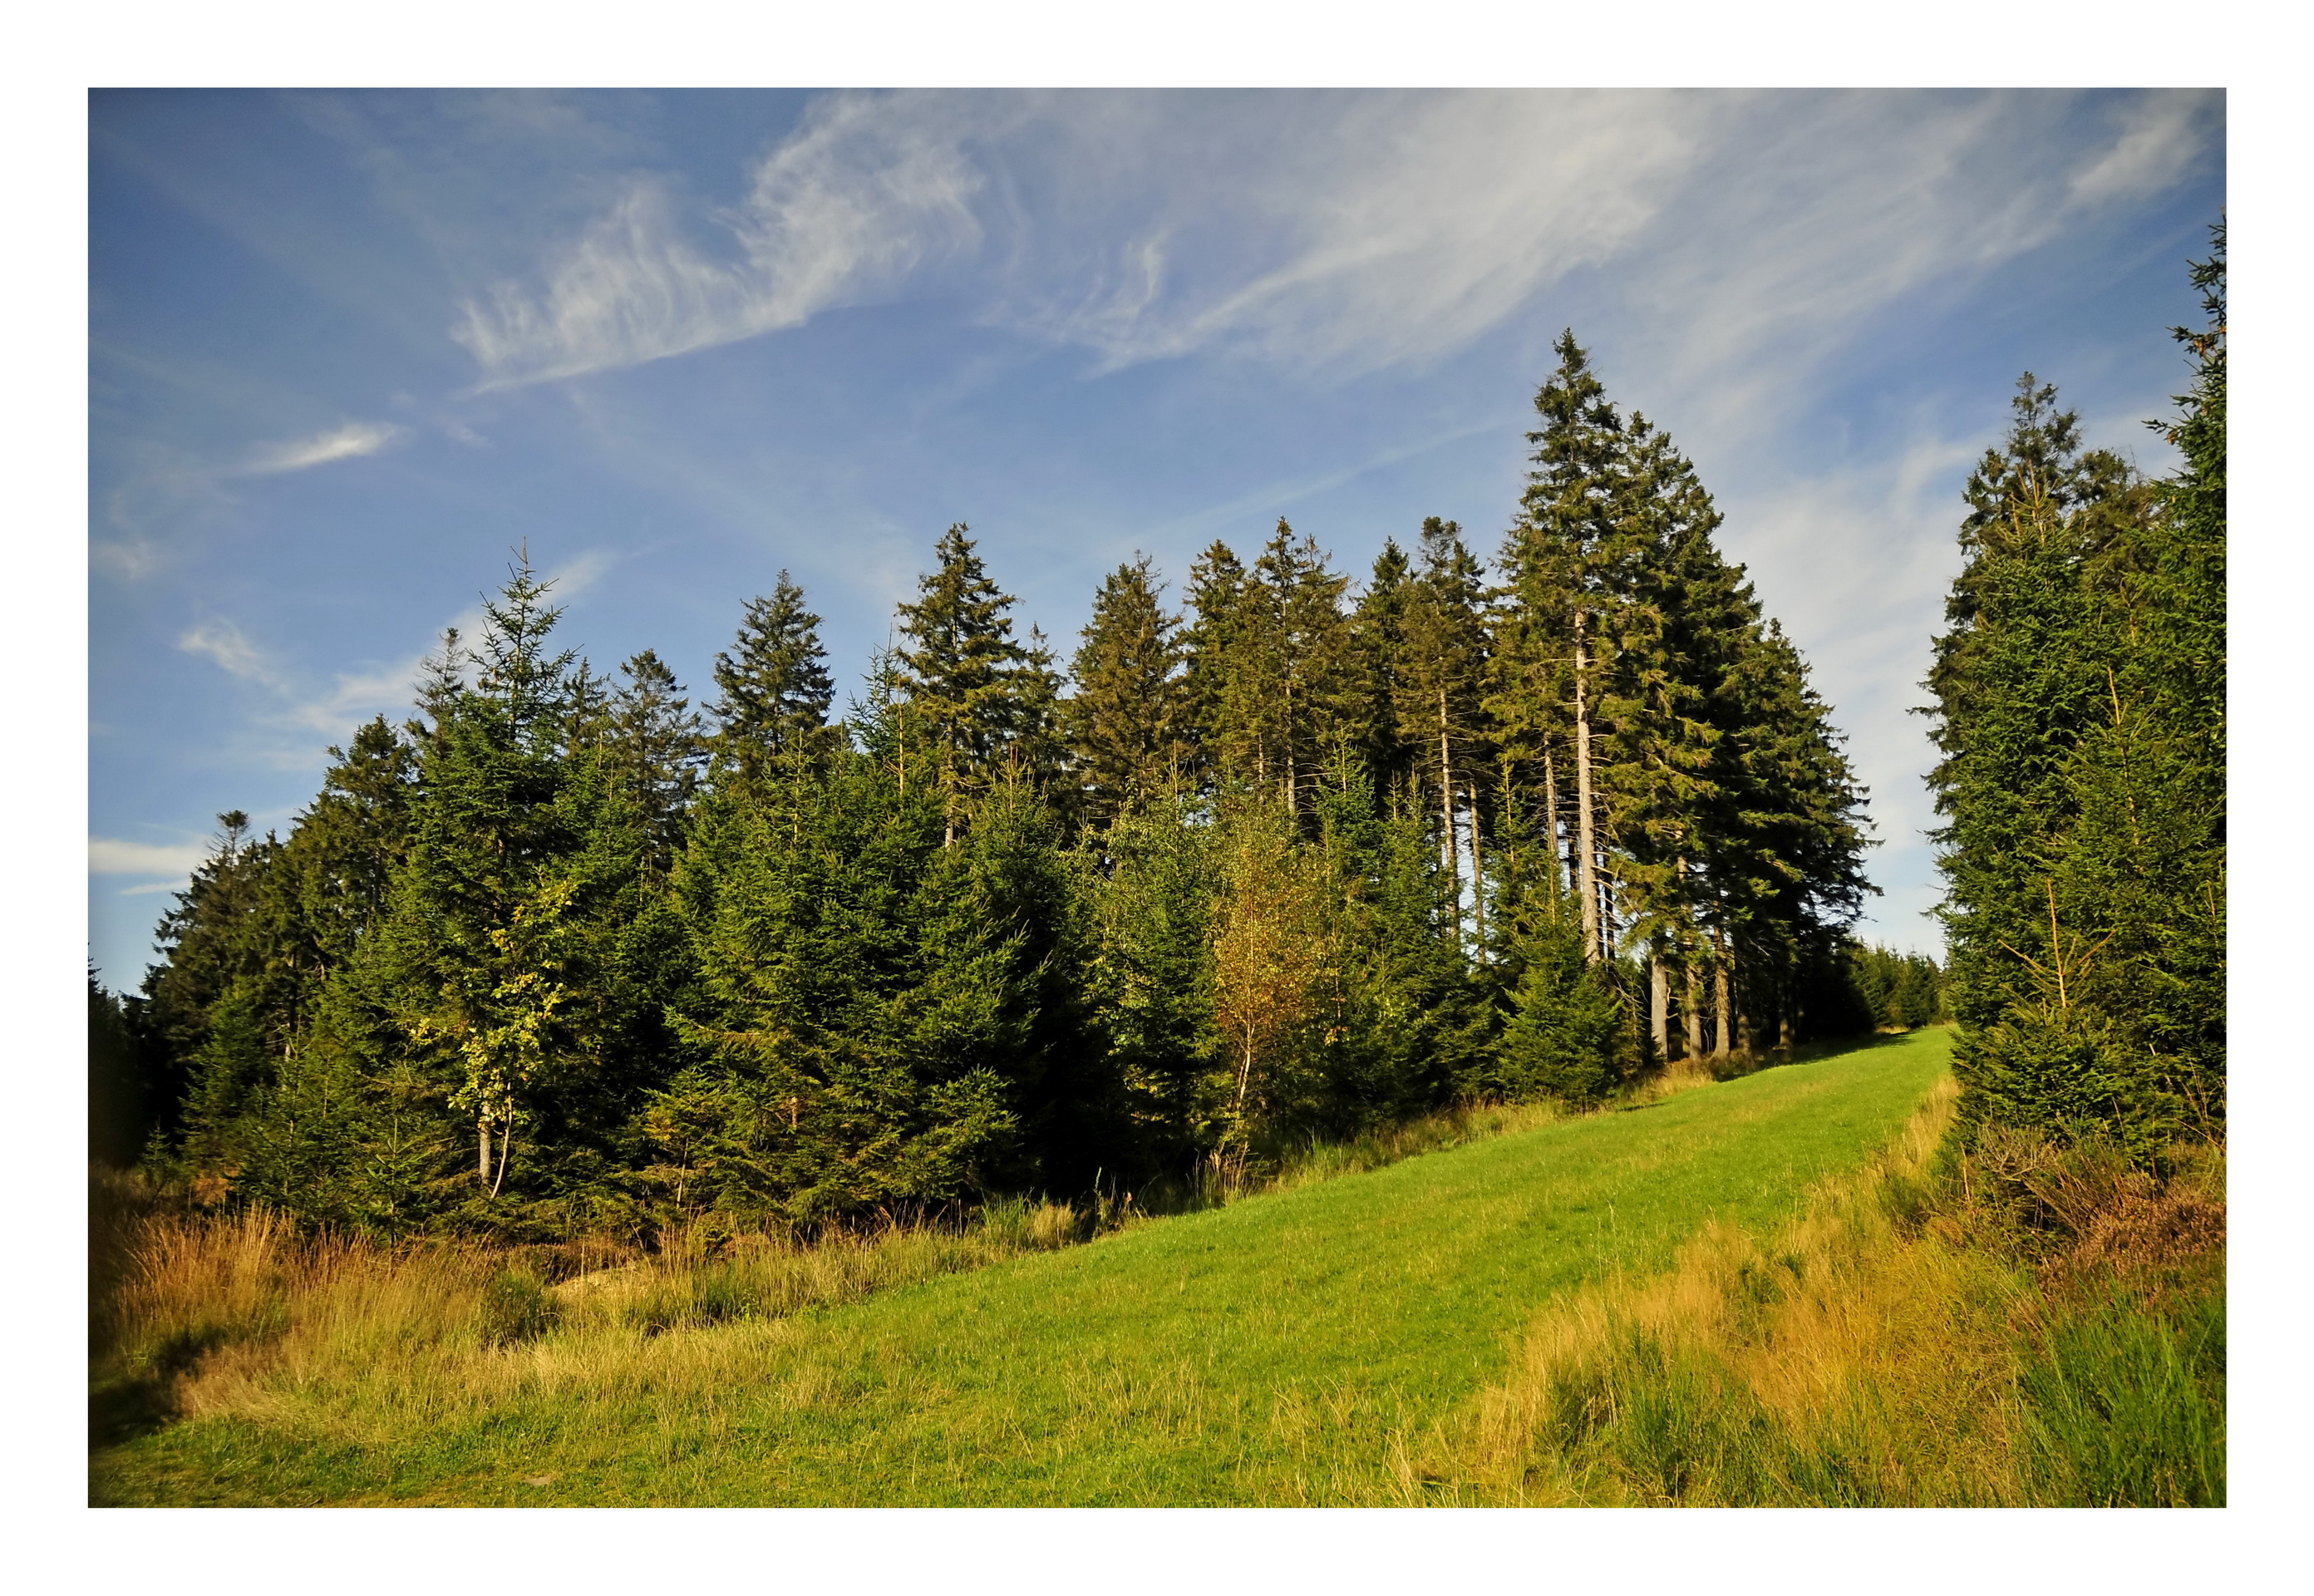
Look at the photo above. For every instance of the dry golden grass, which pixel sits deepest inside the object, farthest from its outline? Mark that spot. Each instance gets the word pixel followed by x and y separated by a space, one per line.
pixel 1844 1359
pixel 241 1316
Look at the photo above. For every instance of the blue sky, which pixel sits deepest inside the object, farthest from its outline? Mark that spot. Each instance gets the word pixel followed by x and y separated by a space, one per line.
pixel 346 349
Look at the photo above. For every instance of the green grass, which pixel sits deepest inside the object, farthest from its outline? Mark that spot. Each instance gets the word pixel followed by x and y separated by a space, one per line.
pixel 1290 1348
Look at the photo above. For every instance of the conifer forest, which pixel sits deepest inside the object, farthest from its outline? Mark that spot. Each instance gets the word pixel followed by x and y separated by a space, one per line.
pixel 1274 856
pixel 1312 850
pixel 571 949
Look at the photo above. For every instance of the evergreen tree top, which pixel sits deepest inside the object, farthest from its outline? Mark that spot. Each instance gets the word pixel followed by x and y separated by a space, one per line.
pixel 527 690
pixel 777 691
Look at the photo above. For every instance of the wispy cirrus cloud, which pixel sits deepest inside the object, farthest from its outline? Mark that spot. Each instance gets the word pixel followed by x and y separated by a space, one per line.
pixel 111 855
pixel 2161 135
pixel 354 696
pixel 351 442
pixel 851 204
pixel 167 487
pixel 1338 229
pixel 224 645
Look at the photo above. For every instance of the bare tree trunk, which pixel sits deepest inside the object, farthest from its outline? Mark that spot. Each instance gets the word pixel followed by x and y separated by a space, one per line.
pixel 1587 855
pixel 506 1146
pixel 948 793
pixel 1450 850
pixel 1550 825
pixel 1691 1009
pixel 1293 792
pixel 482 1132
pixel 1659 1007
pixel 1723 1009
pixel 1478 879
pixel 1244 1080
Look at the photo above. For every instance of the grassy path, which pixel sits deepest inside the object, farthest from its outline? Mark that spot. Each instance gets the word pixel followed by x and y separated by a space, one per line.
pixel 1276 1352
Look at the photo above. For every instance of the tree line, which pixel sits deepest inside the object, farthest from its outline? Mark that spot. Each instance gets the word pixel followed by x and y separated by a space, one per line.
pixel 2080 714
pixel 563 951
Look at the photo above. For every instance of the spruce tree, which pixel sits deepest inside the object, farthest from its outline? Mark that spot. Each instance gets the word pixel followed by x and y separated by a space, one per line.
pixel 972 694
pixel 1312 666
pixel 1408 1028
pixel 1665 647
pixel 209 945
pixel 1127 734
pixel 1566 558
pixel 1378 634
pixel 774 684
pixel 121 1115
pixel 656 744
pixel 1150 895
pixel 476 953
pixel 2020 680
pixel 1228 670
pixel 886 1012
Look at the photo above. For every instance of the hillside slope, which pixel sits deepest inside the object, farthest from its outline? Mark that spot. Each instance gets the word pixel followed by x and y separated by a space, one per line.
pixel 1289 1349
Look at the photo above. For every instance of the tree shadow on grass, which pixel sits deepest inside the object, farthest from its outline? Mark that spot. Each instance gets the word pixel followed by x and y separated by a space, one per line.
pixel 120 1410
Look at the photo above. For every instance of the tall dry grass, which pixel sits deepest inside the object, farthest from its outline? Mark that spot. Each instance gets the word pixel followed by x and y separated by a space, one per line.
pixel 1893 1346
pixel 241 1315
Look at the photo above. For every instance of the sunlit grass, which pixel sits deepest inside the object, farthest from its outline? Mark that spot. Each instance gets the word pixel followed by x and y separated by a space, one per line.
pixel 1307 1344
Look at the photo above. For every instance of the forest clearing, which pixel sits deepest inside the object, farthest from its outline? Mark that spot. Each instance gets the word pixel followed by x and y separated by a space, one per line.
pixel 1362 1013
pixel 1374 1338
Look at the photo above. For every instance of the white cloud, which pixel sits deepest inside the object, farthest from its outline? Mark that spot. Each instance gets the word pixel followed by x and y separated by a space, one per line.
pixel 851 203
pixel 222 642
pixel 354 696
pixel 1335 229
pixel 129 557
pixel 2163 134
pixel 1328 228
pixel 347 443
pixel 111 856
pixel 569 581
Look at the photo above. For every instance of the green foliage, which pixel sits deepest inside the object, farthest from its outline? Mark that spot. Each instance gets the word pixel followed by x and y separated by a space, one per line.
pixel 1148 888
pixel 2070 1071
pixel 978 708
pixel 120 1111
pixel 2082 717
pixel 1900 990
pixel 775 686
pixel 882 1016
pixel 1273 679
pixel 1127 729
pixel 1412 1026
pixel 1569 1034
pixel 1631 662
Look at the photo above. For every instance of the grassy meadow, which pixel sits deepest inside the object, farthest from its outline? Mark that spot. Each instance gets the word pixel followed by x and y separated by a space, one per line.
pixel 1739 1291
